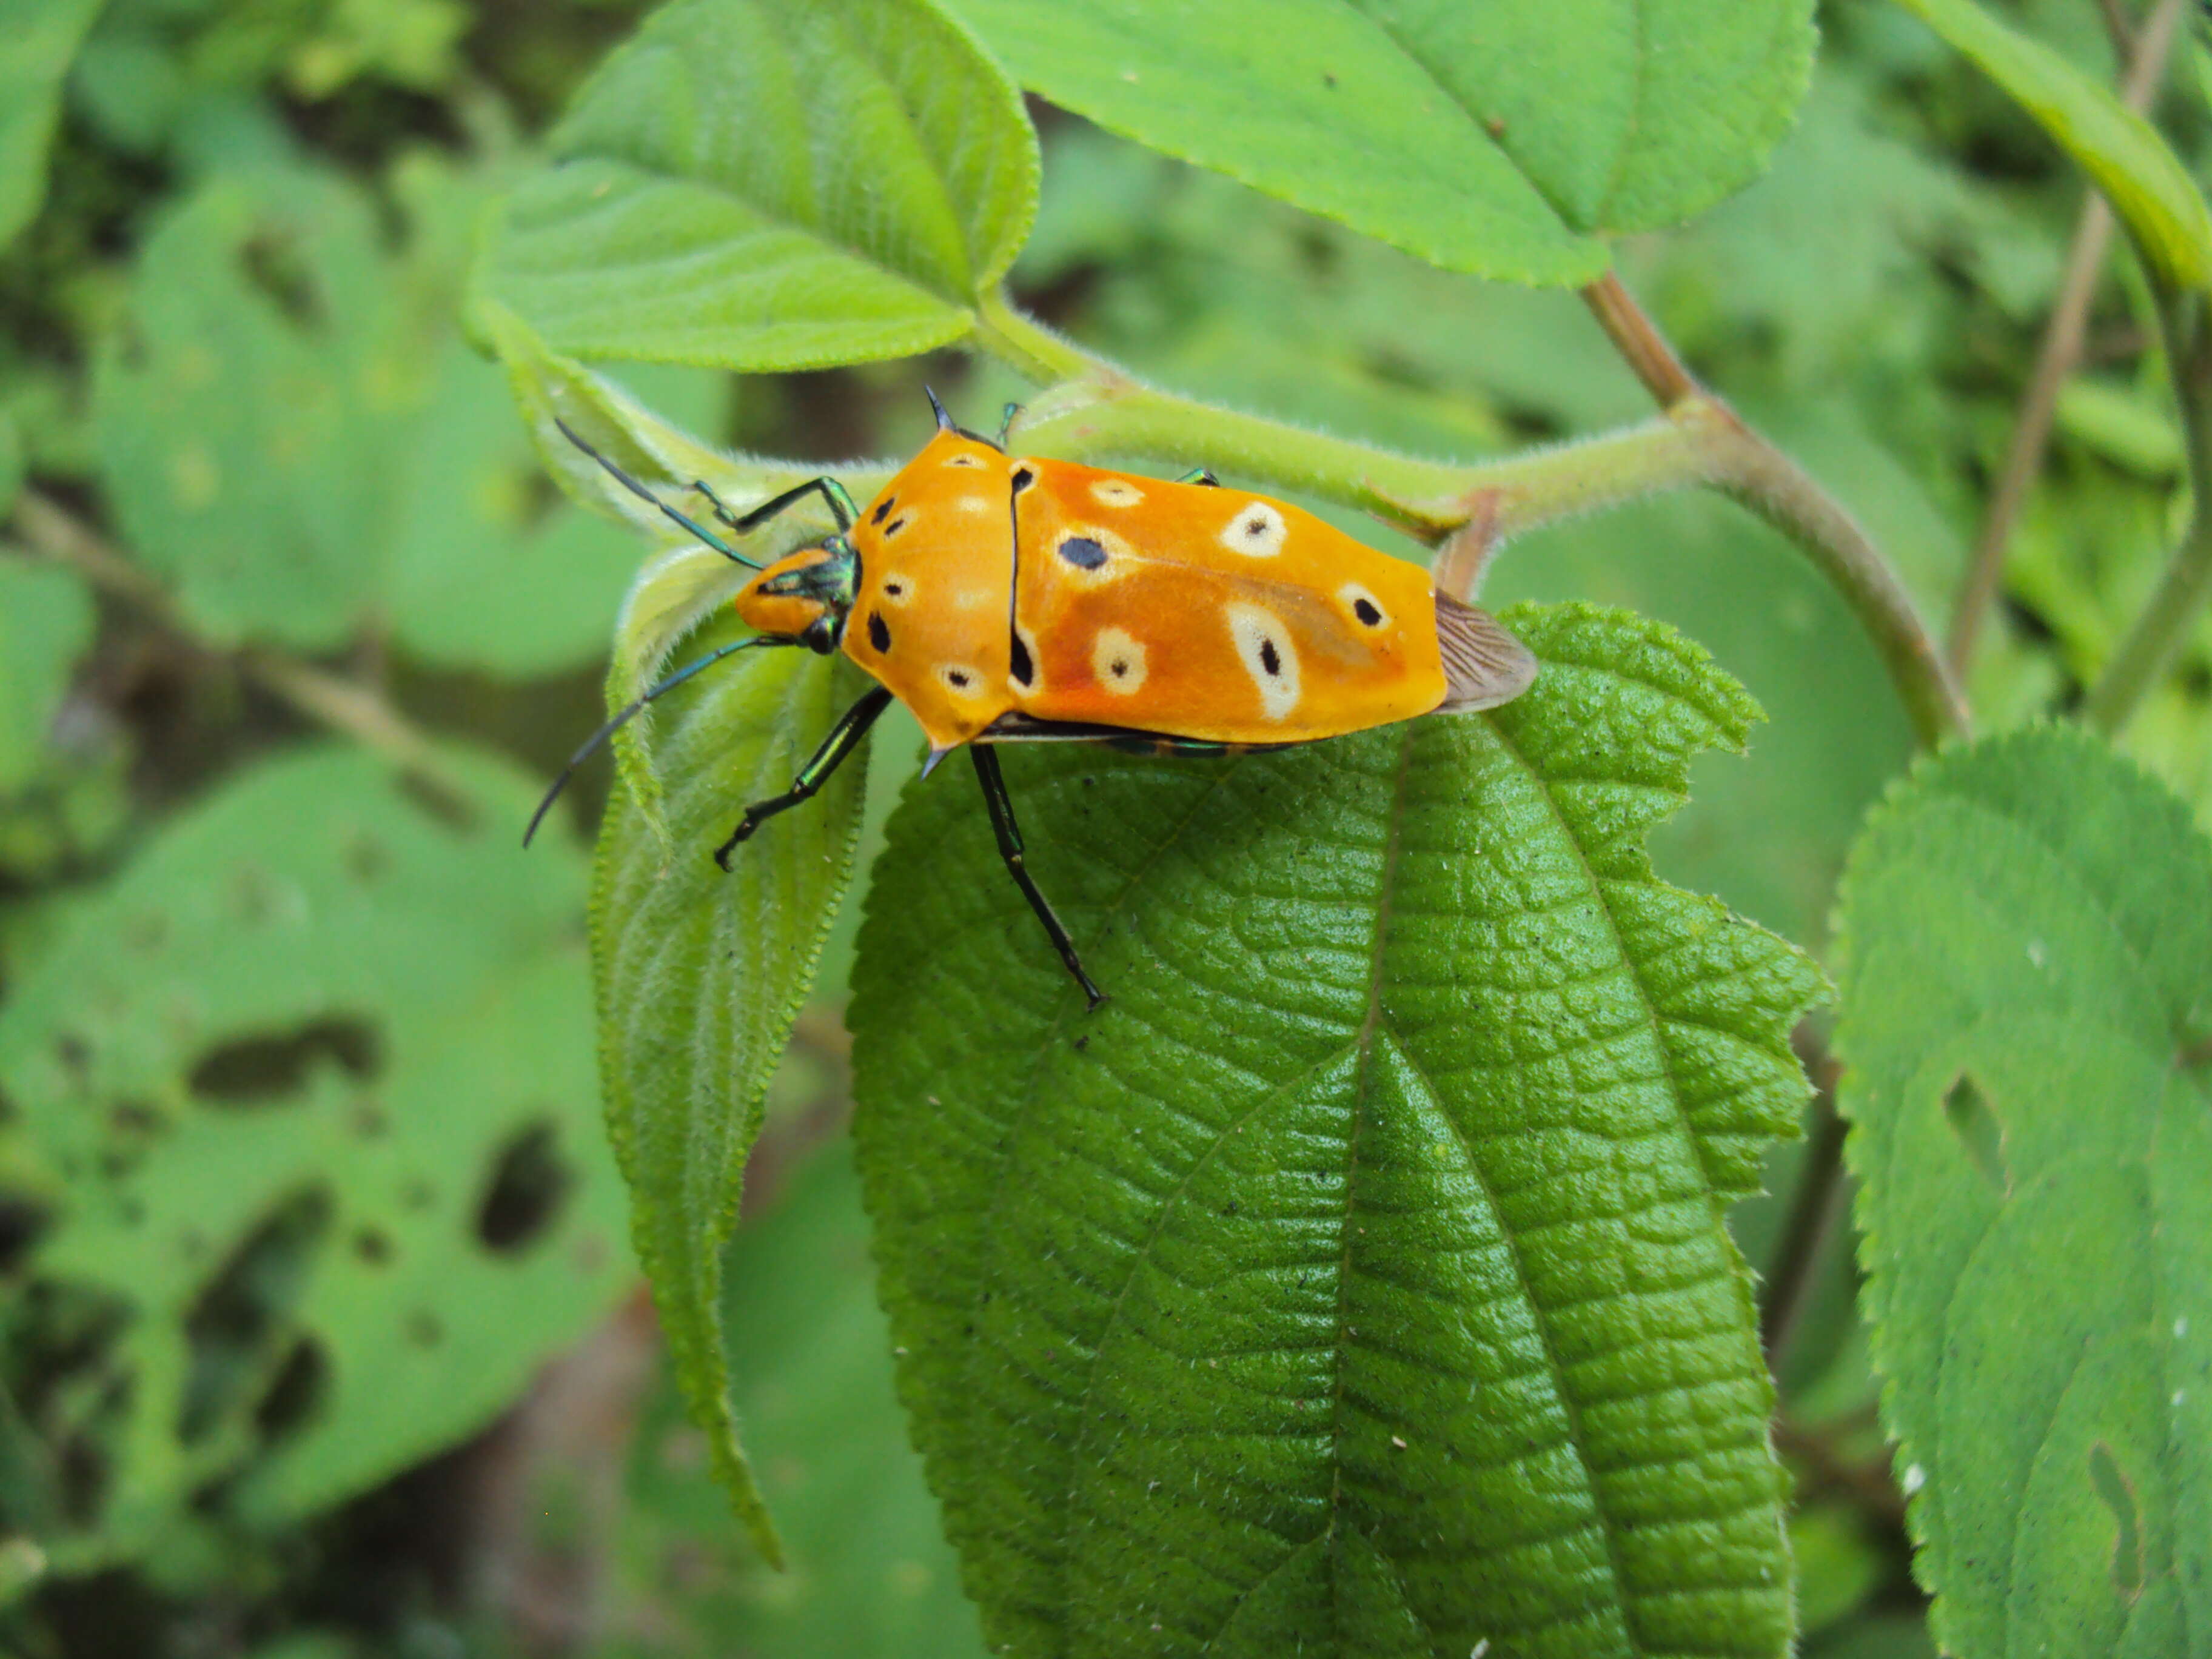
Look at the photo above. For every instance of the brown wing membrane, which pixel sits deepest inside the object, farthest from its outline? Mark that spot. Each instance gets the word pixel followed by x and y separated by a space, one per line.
pixel 1484 665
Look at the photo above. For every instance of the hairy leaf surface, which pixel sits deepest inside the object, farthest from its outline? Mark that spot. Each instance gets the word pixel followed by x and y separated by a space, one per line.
pixel 700 976
pixel 705 203
pixel 1501 140
pixel 2026 935
pixel 2140 175
pixel 1355 1281
pixel 316 1076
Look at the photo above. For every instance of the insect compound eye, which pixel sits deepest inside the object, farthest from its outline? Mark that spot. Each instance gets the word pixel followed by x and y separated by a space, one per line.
pixel 1257 532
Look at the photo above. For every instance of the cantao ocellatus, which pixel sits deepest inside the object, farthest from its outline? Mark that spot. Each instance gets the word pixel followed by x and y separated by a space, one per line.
pixel 1014 599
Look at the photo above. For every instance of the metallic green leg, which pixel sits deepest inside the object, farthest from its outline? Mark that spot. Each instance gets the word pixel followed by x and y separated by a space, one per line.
pixel 1200 475
pixel 1010 848
pixel 844 737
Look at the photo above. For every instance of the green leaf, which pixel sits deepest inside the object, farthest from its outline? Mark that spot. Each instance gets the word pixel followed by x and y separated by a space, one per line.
pixel 1356 1277
pixel 244 407
pixel 773 187
pixel 1504 145
pixel 317 1067
pixel 2145 182
pixel 700 976
pixel 2026 934
pixel 46 621
pixel 871 1576
pixel 41 37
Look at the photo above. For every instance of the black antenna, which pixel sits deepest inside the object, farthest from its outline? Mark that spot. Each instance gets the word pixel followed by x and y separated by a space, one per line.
pixel 624 718
pixel 645 495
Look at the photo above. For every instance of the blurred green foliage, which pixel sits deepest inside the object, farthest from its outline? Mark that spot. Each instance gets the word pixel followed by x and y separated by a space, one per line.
pixel 301 1178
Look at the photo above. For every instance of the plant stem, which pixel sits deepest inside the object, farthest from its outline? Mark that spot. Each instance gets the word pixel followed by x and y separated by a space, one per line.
pixel 2057 357
pixel 1815 1208
pixel 1743 464
pixel 2151 644
pixel 344 705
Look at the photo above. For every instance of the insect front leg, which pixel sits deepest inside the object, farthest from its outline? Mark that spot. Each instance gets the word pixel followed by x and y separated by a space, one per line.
pixel 1009 849
pixel 844 737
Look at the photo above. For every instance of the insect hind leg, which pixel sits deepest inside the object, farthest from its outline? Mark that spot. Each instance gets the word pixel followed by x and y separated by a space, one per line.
pixel 844 737
pixel 1010 848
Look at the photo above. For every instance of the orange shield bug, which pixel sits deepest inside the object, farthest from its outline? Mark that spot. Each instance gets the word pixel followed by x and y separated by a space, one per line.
pixel 1010 599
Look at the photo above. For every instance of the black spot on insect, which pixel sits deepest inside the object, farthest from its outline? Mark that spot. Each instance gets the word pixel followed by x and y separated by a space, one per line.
pixel 1268 659
pixel 1255 526
pixel 1082 552
pixel 882 507
pixel 1365 610
pixel 1024 478
pixel 1024 670
pixel 895 590
pixel 880 632
pixel 1119 668
pixel 958 678
pixel 896 526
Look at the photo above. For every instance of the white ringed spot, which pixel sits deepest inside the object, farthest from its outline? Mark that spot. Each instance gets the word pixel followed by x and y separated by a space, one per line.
pixel 978 504
pixel 1117 661
pixel 1264 646
pixel 1366 610
pixel 1257 532
pixel 963 460
pixel 897 588
pixel 1091 555
pixel 960 679
pixel 1115 492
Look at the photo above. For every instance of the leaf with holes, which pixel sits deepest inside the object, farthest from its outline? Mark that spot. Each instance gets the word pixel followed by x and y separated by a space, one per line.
pixel 1355 1281
pixel 773 187
pixel 1506 142
pixel 700 976
pixel 2141 176
pixel 2026 949
pixel 318 1073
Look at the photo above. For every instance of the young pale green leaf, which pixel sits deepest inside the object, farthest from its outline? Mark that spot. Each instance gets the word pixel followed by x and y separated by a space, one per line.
pixel 773 187
pixel 1354 1282
pixel 688 580
pixel 36 47
pixel 2026 948
pixel 2139 174
pixel 700 976
pixel 47 620
pixel 871 1576
pixel 317 1052
pixel 1503 141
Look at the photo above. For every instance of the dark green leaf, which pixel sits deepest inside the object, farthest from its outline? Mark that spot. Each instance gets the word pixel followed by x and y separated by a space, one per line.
pixel 773 187
pixel 871 1575
pixel 2026 934
pixel 1356 1278
pixel 700 975
pixel 40 38
pixel 2144 180
pixel 318 1068
pixel 1502 143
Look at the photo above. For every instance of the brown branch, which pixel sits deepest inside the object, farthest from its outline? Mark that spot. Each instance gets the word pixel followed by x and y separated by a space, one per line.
pixel 2056 358
pixel 1640 343
pixel 344 705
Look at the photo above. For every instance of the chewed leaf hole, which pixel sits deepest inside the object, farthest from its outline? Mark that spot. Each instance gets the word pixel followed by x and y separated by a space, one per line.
pixel 272 262
pixel 2119 1496
pixel 242 1311
pixel 530 1182
pixel 261 1070
pixel 296 1393
pixel 1967 1111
